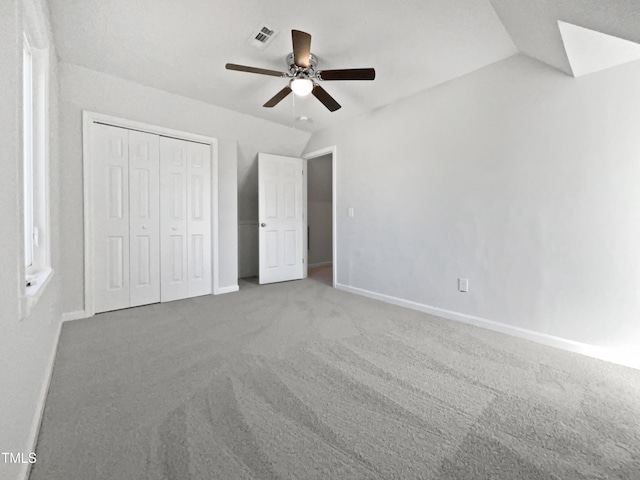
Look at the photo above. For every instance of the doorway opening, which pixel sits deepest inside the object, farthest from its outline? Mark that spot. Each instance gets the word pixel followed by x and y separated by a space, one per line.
pixel 320 207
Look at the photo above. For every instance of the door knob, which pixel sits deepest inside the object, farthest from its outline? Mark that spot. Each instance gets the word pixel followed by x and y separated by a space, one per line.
pixel 174 228
pixel 263 224
pixel 144 227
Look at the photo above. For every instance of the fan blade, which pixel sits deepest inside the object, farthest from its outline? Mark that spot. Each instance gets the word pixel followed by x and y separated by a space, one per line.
pixel 301 48
pixel 278 97
pixel 348 74
pixel 326 99
pixel 261 71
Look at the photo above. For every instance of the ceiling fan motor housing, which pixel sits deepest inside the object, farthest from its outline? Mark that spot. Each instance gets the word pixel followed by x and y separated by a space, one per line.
pixel 294 71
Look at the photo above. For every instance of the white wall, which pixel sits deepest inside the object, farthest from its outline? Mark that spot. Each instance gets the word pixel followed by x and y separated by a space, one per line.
pixel 241 135
pixel 249 245
pixel 26 345
pixel 228 213
pixel 518 177
pixel 319 210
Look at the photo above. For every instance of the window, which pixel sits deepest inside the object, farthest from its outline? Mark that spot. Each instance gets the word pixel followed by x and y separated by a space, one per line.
pixel 35 164
pixel 27 135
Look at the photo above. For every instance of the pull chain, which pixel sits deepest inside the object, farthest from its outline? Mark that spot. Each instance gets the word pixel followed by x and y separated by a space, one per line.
pixel 293 112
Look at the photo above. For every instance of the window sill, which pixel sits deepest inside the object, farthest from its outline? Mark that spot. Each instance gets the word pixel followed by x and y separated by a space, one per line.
pixel 33 292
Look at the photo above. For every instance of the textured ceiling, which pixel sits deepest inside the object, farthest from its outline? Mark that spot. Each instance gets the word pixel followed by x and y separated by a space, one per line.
pixel 533 24
pixel 181 46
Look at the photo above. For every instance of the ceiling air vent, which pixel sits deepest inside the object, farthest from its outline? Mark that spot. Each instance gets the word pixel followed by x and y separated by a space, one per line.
pixel 262 36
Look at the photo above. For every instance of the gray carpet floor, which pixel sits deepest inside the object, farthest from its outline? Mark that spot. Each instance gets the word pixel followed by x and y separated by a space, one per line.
pixel 301 381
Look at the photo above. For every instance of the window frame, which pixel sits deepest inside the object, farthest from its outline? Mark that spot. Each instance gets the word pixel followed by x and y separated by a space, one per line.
pixel 35 168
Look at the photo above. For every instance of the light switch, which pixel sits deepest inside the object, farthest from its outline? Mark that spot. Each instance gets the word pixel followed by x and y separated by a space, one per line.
pixel 463 284
pixel 350 212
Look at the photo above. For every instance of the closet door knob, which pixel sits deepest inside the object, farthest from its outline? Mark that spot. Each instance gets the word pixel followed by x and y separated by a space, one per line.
pixel 263 224
pixel 174 228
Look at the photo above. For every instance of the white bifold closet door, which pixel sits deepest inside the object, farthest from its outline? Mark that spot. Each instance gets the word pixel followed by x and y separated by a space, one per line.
pixel 151 218
pixel 144 218
pixel 185 224
pixel 110 191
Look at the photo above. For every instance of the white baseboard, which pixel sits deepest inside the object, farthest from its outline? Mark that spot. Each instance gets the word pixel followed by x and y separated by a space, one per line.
pixel 595 351
pixel 44 391
pixel 230 289
pixel 320 264
pixel 77 315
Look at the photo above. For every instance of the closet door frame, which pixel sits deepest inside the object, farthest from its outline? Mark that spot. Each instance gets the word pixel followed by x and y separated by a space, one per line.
pixel 88 120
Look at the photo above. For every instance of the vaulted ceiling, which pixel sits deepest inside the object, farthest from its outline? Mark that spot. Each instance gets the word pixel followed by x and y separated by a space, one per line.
pixel 533 24
pixel 182 46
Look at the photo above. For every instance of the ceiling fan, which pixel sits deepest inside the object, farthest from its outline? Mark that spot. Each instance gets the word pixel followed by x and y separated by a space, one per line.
pixel 303 74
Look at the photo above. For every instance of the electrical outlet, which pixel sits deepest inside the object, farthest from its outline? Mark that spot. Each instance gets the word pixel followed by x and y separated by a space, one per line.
pixel 463 284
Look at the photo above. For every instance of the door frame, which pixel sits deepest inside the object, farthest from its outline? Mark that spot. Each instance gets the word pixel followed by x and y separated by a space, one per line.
pixel 334 211
pixel 88 119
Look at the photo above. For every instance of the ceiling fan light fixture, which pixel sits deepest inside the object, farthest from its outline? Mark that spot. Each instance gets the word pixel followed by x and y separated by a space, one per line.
pixel 301 86
pixel 302 72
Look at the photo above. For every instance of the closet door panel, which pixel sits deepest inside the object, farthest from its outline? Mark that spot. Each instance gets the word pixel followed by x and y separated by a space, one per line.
pixel 173 219
pixel 199 219
pixel 144 218
pixel 110 217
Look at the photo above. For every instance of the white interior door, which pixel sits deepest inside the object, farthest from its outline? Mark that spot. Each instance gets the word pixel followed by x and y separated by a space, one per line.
pixel 198 219
pixel 110 190
pixel 173 220
pixel 185 219
pixel 280 210
pixel 144 218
